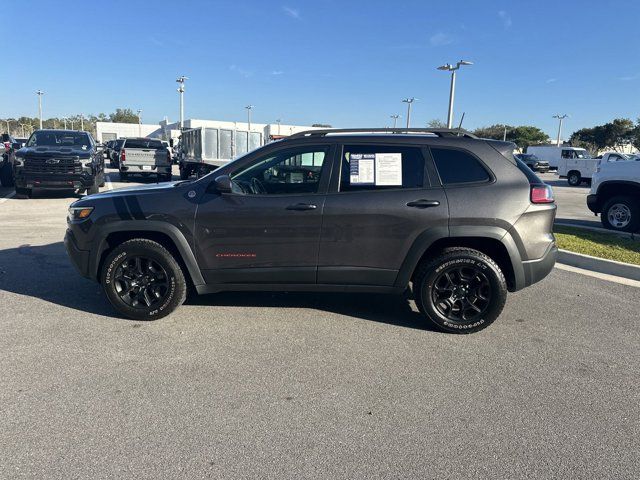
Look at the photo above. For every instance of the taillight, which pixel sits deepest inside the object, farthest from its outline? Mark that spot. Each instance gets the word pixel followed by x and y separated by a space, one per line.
pixel 123 156
pixel 541 194
pixel 7 145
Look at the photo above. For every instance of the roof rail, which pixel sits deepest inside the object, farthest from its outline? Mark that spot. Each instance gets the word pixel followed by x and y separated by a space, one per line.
pixel 438 132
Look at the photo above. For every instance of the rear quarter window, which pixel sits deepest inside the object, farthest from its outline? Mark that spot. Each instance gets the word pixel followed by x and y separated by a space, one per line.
pixel 458 167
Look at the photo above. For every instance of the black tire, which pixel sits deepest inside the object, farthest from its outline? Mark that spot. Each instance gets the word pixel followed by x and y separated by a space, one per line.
pixel 184 172
pixel 621 213
pixel 165 177
pixel 573 178
pixel 124 177
pixel 6 174
pixel 125 280
pixel 473 282
pixel 23 193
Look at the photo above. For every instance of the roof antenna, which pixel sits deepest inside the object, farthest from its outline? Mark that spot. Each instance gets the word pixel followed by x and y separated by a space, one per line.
pixel 460 125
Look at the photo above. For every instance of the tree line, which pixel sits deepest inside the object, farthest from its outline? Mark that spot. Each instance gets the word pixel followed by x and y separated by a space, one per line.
pixel 23 126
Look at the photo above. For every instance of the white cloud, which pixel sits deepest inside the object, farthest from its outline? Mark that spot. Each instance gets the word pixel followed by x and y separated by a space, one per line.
pixel 506 19
pixel 277 72
pixel 292 12
pixel 551 80
pixel 241 71
pixel 440 39
pixel 628 78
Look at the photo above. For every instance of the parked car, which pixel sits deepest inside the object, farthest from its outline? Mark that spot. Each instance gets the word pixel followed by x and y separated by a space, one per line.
pixel 533 162
pixel 114 153
pixel 144 156
pixel 355 210
pixel 554 154
pixel 9 147
pixel 59 160
pixel 22 141
pixel 615 195
pixel 108 145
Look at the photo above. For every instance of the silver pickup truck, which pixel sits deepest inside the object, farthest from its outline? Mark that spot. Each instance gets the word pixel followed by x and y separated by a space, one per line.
pixel 145 156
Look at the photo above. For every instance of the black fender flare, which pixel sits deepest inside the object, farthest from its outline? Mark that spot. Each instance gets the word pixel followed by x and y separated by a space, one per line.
pixel 171 231
pixel 427 238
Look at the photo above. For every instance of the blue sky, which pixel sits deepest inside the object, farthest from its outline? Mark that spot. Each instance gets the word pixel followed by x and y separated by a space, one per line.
pixel 347 63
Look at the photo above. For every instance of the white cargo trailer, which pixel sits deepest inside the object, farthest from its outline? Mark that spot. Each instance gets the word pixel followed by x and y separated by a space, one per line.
pixel 204 149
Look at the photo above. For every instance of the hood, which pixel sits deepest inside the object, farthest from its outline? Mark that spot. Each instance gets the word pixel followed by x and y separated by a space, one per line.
pixel 140 189
pixel 65 150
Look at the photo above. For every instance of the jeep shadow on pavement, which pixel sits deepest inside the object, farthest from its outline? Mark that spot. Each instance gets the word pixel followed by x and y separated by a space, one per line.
pixel 455 220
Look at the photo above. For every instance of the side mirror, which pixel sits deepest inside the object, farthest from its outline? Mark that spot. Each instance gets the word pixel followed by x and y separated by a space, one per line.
pixel 222 184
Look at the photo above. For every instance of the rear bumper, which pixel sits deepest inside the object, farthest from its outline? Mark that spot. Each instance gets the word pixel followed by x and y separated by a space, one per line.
pixel 79 258
pixel 53 181
pixel 536 270
pixel 132 169
pixel 593 204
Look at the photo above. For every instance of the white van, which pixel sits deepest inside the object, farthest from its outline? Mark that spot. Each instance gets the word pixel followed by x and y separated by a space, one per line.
pixel 574 164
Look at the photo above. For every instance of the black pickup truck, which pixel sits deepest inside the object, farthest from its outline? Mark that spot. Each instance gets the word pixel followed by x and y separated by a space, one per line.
pixel 59 160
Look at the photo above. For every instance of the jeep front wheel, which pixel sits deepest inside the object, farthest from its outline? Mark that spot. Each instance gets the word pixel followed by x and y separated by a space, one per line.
pixel 461 290
pixel 142 280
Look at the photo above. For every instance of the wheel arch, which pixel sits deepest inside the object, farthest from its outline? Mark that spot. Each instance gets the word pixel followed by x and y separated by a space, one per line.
pixel 494 242
pixel 167 235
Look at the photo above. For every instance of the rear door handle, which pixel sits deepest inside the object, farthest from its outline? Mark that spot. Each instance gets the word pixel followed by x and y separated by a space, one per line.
pixel 423 203
pixel 302 206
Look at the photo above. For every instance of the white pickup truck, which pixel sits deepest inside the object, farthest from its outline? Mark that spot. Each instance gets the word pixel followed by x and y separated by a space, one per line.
pixel 145 156
pixel 615 195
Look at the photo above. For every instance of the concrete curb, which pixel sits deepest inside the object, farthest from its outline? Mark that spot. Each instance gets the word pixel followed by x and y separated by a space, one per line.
pixel 609 267
pixel 631 236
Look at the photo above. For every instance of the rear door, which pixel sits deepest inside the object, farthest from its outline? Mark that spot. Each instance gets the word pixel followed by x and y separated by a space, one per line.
pixel 381 200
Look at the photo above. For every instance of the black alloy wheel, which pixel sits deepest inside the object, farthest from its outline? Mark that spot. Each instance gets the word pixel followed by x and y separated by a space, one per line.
pixel 141 282
pixel 462 294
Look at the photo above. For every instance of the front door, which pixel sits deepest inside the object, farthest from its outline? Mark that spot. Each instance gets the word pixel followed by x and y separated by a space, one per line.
pixel 268 230
pixel 383 202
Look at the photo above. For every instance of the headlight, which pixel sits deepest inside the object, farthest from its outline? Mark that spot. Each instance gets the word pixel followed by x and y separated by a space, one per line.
pixel 79 213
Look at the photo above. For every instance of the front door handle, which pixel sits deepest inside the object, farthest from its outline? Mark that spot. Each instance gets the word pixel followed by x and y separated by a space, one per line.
pixel 423 203
pixel 302 206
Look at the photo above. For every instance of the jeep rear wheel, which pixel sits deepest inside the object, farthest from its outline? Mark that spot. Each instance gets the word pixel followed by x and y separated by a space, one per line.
pixel 142 280
pixel 621 213
pixel 461 290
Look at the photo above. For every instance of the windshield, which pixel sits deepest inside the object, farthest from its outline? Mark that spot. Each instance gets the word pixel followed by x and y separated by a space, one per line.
pixel 143 143
pixel 43 138
pixel 582 154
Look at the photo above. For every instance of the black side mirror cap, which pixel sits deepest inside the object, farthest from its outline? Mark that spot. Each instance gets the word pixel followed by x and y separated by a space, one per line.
pixel 222 184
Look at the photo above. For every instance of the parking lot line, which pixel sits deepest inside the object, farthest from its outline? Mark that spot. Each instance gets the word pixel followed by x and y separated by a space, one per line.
pixel 601 276
pixel 7 196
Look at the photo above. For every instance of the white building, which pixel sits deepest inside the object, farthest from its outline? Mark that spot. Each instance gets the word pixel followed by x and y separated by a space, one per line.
pixel 106 131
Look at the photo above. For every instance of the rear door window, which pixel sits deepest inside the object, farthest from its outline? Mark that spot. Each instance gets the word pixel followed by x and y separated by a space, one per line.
pixel 381 167
pixel 458 166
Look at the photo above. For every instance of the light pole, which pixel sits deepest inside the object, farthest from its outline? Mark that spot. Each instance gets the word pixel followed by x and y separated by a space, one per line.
pixel 560 118
pixel 395 119
pixel 65 122
pixel 72 122
pixel 22 125
pixel 409 101
pixel 249 108
pixel 139 122
pixel 8 129
pixel 278 121
pixel 81 122
pixel 181 81
pixel 452 68
pixel 40 93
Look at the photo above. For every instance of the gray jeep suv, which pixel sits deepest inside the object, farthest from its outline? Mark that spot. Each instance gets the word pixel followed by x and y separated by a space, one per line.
pixel 455 220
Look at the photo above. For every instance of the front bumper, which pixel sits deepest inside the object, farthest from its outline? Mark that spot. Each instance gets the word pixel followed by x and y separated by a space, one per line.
pixel 593 204
pixel 53 181
pixel 536 270
pixel 79 258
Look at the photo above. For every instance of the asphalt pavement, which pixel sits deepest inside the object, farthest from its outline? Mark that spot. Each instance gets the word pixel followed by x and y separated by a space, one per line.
pixel 264 385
